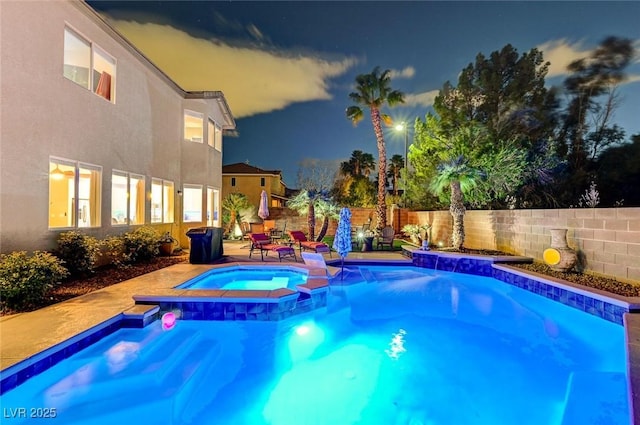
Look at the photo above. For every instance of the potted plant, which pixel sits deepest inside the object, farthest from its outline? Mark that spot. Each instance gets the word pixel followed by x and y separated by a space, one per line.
pixel 165 243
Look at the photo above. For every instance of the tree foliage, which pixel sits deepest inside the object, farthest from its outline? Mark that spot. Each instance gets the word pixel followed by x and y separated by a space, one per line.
pixel 587 128
pixel 373 91
pixel 315 179
pixel 233 203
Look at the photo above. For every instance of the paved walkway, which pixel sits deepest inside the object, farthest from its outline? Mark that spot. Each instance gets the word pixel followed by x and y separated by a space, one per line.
pixel 26 334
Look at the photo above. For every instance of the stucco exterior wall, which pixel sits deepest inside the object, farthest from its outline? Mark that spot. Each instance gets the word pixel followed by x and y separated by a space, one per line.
pixel 44 114
pixel 249 185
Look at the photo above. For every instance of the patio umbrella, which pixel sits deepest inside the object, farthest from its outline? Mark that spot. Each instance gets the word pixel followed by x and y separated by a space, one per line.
pixel 342 240
pixel 263 210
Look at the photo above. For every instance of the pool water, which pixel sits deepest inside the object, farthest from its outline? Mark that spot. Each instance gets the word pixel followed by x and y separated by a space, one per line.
pixel 402 346
pixel 247 278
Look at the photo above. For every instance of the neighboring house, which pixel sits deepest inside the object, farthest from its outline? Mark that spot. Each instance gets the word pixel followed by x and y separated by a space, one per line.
pixel 95 137
pixel 251 181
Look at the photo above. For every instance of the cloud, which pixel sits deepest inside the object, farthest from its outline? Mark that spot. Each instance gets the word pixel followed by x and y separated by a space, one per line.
pixel 632 78
pixel 420 99
pixel 560 53
pixel 407 72
pixel 253 80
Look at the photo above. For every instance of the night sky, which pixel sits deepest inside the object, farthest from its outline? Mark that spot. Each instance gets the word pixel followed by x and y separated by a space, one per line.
pixel 286 68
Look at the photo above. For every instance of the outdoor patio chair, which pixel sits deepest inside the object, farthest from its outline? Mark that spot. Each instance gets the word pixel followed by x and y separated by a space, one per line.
pixel 256 227
pixel 386 238
pixel 262 243
pixel 298 237
pixel 269 225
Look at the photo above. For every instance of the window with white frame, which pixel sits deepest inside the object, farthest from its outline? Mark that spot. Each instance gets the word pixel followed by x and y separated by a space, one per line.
pixel 218 138
pixel 88 65
pixel 193 126
pixel 75 194
pixel 213 207
pixel 104 73
pixel 214 135
pixel 211 133
pixel 127 198
pixel 192 203
pixel 162 201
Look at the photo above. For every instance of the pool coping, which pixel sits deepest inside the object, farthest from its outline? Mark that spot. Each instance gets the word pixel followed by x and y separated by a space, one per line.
pixel 243 304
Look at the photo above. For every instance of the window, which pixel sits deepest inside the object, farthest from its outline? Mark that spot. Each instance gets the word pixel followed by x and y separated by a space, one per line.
pixel 80 57
pixel 193 126
pixel 75 193
pixel 127 198
pixel 233 181
pixel 162 201
pixel 213 207
pixel 214 135
pixel 77 58
pixel 192 203
pixel 261 181
pixel 211 133
pixel 218 138
pixel 104 72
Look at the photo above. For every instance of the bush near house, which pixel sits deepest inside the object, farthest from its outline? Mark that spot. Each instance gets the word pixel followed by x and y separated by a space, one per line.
pixel 79 252
pixel 25 280
pixel 139 245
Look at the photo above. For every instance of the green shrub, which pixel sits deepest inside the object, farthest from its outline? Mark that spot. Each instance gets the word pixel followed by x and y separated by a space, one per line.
pixel 134 247
pixel 114 246
pixel 25 280
pixel 79 252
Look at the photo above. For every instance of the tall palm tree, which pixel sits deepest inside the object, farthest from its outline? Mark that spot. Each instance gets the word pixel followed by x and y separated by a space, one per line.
pixel 457 176
pixel 367 164
pixel 396 163
pixel 373 91
pixel 360 164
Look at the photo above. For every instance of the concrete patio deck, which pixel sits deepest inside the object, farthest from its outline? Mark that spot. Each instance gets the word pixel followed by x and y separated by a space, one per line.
pixel 24 335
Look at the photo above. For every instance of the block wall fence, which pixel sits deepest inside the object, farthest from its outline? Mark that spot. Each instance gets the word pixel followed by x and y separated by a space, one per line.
pixel 607 239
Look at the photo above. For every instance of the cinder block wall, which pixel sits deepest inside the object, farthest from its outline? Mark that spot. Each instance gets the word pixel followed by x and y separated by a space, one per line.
pixel 607 239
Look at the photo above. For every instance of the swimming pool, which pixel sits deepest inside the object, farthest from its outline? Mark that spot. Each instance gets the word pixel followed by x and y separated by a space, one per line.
pixel 400 346
pixel 247 278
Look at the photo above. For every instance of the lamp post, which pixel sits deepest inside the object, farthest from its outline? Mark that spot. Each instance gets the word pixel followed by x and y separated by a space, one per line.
pixel 403 127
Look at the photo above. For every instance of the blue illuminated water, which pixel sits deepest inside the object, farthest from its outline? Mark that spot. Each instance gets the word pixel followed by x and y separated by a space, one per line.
pixel 406 346
pixel 249 278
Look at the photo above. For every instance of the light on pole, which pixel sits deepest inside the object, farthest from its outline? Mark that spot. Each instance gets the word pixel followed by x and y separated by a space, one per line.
pixel 403 127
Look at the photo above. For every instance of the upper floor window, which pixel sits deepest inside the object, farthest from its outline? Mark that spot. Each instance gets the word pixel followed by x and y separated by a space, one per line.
pixel 214 135
pixel 162 201
pixel 75 193
pixel 233 181
pixel 192 203
pixel 261 181
pixel 88 65
pixel 127 198
pixel 193 126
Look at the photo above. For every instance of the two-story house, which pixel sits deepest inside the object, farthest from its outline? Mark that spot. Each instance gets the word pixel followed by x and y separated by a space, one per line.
pixel 95 137
pixel 251 181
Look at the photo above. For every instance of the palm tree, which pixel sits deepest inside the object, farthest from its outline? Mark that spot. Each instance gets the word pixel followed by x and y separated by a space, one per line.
pixel 326 210
pixel 457 176
pixel 396 163
pixel 373 91
pixel 234 203
pixel 306 201
pixel 360 164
